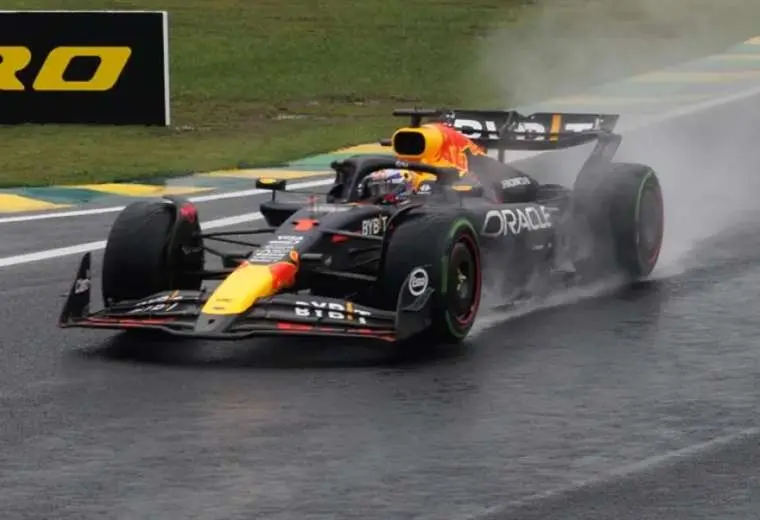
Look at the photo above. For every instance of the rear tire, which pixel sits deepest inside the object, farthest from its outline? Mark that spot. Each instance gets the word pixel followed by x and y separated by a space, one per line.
pixel 624 210
pixel 448 249
pixel 152 247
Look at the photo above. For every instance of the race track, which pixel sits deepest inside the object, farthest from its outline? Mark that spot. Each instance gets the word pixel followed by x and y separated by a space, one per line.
pixel 633 405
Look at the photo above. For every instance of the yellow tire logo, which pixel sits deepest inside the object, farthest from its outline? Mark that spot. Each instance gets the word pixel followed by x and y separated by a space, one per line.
pixel 50 78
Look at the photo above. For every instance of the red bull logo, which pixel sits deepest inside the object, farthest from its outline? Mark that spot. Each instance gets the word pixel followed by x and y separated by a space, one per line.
pixel 455 147
pixel 435 144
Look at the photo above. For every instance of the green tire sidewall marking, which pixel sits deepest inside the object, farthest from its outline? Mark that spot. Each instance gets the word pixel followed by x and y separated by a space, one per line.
pixel 637 209
pixel 455 227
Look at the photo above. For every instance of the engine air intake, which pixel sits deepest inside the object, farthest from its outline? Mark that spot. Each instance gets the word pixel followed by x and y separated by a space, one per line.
pixel 417 144
pixel 409 143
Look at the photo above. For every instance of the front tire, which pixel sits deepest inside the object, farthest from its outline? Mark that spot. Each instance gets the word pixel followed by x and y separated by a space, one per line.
pixel 153 246
pixel 448 248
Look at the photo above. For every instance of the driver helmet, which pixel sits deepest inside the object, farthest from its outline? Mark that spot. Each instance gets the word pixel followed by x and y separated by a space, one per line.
pixel 390 185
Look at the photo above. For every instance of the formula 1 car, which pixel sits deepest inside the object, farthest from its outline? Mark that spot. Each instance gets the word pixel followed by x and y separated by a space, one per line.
pixel 351 266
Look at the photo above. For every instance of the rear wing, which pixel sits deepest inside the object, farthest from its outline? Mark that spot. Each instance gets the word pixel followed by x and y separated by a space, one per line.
pixel 503 130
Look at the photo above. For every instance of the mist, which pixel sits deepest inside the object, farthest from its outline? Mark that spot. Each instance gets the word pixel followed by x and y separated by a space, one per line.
pixel 561 47
pixel 708 162
pixel 709 170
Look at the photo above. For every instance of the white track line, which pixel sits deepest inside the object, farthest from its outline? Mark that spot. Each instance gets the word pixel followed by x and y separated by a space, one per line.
pixel 199 198
pixel 37 256
pixel 693 108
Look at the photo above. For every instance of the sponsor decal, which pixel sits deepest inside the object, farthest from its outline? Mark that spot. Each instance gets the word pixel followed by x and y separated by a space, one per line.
pixel 475 129
pixel 287 239
pixel 111 62
pixel 330 208
pixel 374 226
pixel 191 250
pixel 418 281
pixel 276 249
pixel 487 129
pixel 515 221
pixel 159 307
pixel 515 181
pixel 331 310
pixel 425 189
pixel 166 303
pixel 84 67
pixel 534 127
pixel 82 285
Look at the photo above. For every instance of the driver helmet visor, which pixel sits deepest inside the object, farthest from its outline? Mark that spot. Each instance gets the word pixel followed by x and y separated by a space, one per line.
pixel 385 182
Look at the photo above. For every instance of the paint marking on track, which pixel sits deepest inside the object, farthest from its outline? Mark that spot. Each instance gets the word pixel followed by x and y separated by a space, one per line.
pixel 602 100
pixel 695 77
pixel 128 189
pixel 13 202
pixel 255 173
pixel 754 56
pixel 363 148
pixel 696 107
pixel 49 254
pixel 199 198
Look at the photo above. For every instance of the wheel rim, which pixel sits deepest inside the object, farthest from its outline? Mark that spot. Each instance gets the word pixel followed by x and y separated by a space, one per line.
pixel 650 227
pixel 463 282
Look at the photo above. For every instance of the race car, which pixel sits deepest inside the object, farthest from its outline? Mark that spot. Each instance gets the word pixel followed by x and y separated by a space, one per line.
pixel 401 246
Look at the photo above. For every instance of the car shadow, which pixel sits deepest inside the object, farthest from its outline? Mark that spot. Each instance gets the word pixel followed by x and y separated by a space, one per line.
pixel 278 353
pixel 326 353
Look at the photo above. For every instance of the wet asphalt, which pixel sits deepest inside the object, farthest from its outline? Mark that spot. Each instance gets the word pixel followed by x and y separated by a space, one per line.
pixel 634 403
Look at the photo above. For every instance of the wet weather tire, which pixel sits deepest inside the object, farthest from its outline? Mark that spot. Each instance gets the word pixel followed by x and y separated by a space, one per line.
pixel 151 247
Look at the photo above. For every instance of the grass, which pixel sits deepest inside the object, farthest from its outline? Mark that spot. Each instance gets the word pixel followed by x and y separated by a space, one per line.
pixel 240 70
pixel 266 81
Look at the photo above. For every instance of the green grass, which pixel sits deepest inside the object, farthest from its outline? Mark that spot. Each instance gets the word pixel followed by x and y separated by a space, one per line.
pixel 266 81
pixel 240 70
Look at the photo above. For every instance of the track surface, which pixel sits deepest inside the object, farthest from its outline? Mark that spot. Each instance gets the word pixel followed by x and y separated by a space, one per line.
pixel 622 388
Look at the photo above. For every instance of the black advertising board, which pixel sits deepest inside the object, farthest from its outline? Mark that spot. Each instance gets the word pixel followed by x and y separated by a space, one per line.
pixel 84 67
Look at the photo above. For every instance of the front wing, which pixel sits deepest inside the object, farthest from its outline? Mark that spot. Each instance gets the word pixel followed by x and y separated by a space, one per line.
pixel 179 313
